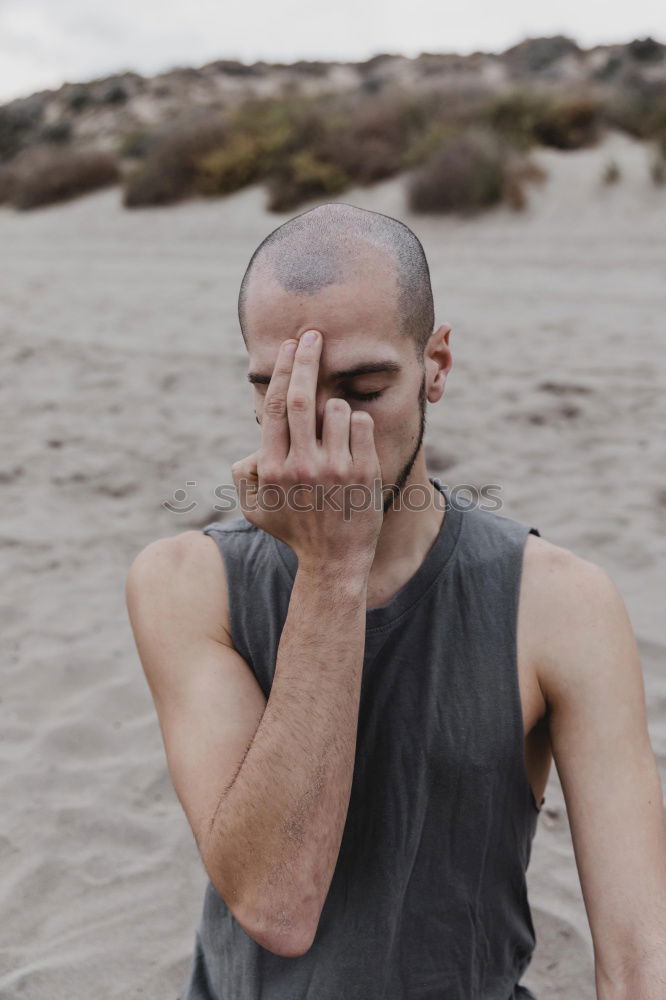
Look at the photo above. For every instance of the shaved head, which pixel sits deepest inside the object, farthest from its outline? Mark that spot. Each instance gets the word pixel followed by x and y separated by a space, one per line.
pixel 334 242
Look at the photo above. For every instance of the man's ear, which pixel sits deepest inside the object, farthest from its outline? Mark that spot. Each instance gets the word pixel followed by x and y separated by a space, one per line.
pixel 438 362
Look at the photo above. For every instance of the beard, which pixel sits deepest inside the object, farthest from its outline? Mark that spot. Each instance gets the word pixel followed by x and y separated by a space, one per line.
pixel 396 487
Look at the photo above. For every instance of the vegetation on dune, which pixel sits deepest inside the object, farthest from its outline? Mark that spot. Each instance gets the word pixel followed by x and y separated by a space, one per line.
pixel 459 134
pixel 44 175
pixel 471 171
pixel 169 170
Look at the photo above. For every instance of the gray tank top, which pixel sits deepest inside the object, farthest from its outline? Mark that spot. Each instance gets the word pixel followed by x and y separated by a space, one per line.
pixel 428 899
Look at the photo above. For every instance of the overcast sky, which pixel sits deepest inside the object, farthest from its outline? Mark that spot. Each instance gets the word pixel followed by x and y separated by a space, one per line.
pixel 44 43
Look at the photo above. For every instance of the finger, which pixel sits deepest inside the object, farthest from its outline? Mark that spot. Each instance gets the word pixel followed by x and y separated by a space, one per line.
pixel 274 425
pixel 335 432
pixel 301 396
pixel 362 443
pixel 246 479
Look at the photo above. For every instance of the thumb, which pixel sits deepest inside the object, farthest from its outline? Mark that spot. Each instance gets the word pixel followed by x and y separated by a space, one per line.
pixel 246 481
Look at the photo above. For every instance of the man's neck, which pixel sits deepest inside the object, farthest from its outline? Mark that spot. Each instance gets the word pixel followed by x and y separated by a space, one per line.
pixel 406 537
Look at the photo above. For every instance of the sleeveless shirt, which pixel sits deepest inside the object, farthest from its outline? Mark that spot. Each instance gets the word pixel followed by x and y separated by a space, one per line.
pixel 428 899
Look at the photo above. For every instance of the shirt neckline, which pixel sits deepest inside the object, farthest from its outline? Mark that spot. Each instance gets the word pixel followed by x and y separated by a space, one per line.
pixel 416 586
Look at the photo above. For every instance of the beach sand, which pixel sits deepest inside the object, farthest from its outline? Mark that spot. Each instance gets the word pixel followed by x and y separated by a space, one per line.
pixel 124 371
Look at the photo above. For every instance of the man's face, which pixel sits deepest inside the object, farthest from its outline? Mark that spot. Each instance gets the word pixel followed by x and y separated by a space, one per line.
pixel 359 327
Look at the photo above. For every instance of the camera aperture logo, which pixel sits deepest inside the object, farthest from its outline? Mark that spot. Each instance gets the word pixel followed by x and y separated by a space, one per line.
pixel 345 498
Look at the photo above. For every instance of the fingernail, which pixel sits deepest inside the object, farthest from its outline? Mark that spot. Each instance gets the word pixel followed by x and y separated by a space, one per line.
pixel 310 337
pixel 289 347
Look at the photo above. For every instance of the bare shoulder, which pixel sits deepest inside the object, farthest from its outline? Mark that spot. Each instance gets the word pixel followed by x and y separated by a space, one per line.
pixel 567 603
pixel 181 575
pixel 551 570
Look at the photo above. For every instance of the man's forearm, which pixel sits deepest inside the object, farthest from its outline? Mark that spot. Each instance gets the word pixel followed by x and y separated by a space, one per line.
pixel 644 980
pixel 276 836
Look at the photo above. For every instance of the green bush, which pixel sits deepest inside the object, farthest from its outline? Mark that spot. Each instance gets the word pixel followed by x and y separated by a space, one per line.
pixel 570 123
pixel 230 167
pixel 281 125
pixel 516 114
pixel 47 174
pixel 263 135
pixel 424 145
pixel 301 178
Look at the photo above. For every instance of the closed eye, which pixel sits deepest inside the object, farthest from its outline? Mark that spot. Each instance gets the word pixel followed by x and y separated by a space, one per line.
pixel 363 395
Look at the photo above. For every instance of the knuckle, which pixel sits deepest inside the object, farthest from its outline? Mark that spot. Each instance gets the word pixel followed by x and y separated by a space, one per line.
pixel 338 472
pixel 338 407
pixel 275 406
pixel 270 473
pixel 302 471
pixel 298 401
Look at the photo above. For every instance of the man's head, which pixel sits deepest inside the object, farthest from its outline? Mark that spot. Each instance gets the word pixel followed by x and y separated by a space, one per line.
pixel 362 279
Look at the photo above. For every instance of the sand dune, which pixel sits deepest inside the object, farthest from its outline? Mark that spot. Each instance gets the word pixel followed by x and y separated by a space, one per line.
pixel 124 372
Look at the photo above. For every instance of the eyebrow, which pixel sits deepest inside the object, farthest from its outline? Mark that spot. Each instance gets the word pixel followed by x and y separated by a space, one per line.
pixel 369 368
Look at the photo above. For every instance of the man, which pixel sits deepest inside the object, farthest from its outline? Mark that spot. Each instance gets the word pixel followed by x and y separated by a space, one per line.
pixel 361 690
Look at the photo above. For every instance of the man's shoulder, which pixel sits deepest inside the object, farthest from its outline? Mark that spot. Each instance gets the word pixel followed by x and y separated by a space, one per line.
pixel 172 552
pixel 181 565
pixel 184 551
pixel 176 579
pixel 548 566
pixel 565 600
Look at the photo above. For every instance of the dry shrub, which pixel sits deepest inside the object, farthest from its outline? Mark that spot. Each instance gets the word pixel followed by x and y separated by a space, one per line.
pixel 472 170
pixel 377 137
pixel 520 171
pixel 19 124
pixel 658 164
pixel 611 173
pixel 424 145
pixel 43 175
pixel 640 111
pixel 570 123
pixel 7 179
pixel 169 171
pixel 465 175
pixel 135 144
pixel 515 114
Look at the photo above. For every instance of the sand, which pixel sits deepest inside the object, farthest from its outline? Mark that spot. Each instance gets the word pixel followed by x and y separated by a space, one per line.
pixel 123 368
